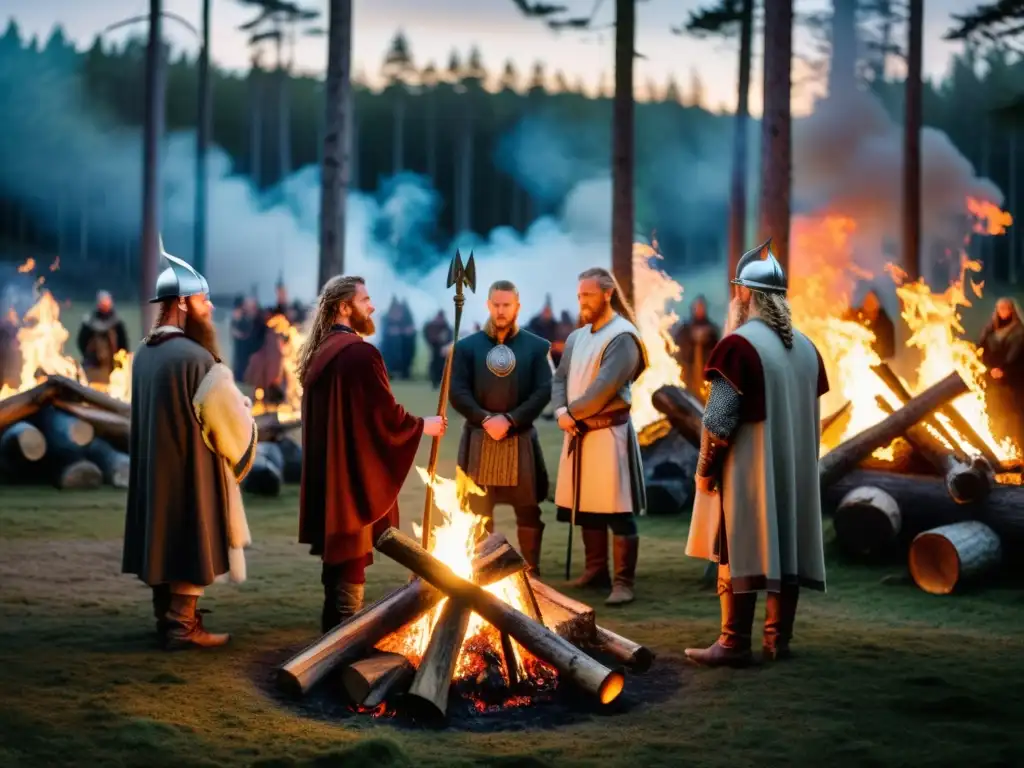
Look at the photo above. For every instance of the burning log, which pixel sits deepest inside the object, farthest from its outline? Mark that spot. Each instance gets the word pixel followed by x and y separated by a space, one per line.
pixel 265 477
pixel 669 463
pixel 72 390
pixel 828 421
pixel 112 427
pixel 635 657
pixel 368 682
pixel 965 482
pixel 291 452
pixel 895 385
pixel 925 504
pixel 356 637
pixel 21 445
pixel 271 427
pixel 571 663
pixel 115 465
pixel 24 405
pixel 843 458
pixel 568 618
pixel 867 522
pixel 684 411
pixel 952 556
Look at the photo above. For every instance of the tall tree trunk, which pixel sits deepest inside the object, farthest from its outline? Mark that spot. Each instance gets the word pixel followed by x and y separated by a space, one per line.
pixel 912 145
pixel 738 187
pixel 334 173
pixel 202 146
pixel 152 132
pixel 776 145
pixel 885 8
pixel 622 147
pixel 464 174
pixel 1011 204
pixel 432 136
pixel 352 128
pixel 284 141
pixel 256 126
pixel 398 133
pixel 842 71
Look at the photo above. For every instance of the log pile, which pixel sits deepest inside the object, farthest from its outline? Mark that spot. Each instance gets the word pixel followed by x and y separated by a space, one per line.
pixel 551 634
pixel 64 433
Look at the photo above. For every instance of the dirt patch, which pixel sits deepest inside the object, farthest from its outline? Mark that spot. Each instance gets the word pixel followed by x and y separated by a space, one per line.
pixel 548 709
pixel 42 569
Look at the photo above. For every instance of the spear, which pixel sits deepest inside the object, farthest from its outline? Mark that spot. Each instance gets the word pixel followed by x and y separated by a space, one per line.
pixel 460 275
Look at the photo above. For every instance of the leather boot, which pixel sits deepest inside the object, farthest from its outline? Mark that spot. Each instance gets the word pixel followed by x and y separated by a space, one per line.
pixel 625 550
pixel 341 602
pixel 529 547
pixel 186 626
pixel 780 615
pixel 161 604
pixel 595 550
pixel 732 649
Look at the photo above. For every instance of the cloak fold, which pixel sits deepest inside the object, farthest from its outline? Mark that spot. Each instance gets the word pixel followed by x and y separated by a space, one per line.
pixel 358 445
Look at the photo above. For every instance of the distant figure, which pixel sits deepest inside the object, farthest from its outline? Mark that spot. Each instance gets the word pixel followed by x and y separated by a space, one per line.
pixel 544 324
pixel 695 339
pixel 437 333
pixel 282 307
pixel 101 337
pixel 1002 346
pixel 265 368
pixel 872 316
pixel 10 354
pixel 391 347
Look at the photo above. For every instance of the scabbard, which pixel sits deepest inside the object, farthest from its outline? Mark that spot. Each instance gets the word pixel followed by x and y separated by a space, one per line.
pixel 576 452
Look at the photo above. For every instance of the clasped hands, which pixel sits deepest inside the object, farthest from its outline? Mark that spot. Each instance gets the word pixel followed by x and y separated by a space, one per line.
pixel 497 426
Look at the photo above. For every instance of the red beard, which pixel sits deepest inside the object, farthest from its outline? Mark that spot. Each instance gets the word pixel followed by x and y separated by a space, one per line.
pixel 204 333
pixel 362 323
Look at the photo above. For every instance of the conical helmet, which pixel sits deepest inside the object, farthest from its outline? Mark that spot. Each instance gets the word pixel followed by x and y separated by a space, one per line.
pixel 178 280
pixel 759 270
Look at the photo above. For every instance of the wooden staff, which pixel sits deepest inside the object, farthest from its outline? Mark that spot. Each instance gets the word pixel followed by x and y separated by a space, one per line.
pixel 460 275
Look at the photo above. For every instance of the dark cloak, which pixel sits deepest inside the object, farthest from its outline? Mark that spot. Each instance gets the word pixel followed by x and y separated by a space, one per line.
pixel 175 527
pixel 358 445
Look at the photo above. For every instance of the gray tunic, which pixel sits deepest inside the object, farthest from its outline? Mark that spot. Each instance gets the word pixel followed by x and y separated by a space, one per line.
pixel 175 527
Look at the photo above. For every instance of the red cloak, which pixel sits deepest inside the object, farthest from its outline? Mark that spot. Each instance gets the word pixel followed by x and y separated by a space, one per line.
pixel 358 445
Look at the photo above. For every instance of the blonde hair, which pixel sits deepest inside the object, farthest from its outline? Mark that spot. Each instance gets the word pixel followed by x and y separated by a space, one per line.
pixel 774 310
pixel 337 291
pixel 606 282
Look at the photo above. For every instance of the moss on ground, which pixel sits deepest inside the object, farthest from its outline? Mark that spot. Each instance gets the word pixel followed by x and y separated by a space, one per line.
pixel 886 675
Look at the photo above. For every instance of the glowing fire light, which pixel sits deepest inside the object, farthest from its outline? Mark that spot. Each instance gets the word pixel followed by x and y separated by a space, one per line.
pixel 292 340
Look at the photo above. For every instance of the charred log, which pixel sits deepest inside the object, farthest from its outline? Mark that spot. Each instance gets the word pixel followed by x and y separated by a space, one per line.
pixel 843 458
pixel 867 523
pixel 683 410
pixel 572 664
pixel 368 682
pixel 24 405
pixel 895 385
pixel 71 390
pixel 568 618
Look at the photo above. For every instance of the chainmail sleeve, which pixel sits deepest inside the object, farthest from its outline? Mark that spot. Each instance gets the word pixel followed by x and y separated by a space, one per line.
pixel 721 417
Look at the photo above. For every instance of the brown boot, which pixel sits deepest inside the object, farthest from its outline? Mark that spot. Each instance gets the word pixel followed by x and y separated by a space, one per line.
pixel 341 602
pixel 625 550
pixel 529 546
pixel 186 626
pixel 780 615
pixel 161 604
pixel 732 649
pixel 595 570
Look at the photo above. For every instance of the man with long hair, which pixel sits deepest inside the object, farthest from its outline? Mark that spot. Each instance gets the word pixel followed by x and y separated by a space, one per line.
pixel 1002 346
pixel 757 512
pixel 192 440
pixel 501 383
pixel 358 444
pixel 600 475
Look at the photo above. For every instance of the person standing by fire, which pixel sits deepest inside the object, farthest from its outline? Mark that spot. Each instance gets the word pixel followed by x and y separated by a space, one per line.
pixel 695 340
pixel 757 512
pixel 101 336
pixel 438 334
pixel 872 315
pixel 192 441
pixel 1002 346
pixel 358 444
pixel 600 474
pixel 501 383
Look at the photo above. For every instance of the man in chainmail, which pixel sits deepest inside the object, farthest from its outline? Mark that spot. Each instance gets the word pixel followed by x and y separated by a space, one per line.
pixel 757 512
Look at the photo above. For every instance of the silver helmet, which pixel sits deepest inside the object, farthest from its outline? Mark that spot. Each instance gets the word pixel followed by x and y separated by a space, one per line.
pixel 759 270
pixel 178 280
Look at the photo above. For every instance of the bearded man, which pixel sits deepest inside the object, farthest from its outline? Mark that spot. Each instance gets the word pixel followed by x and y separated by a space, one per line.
pixel 1002 346
pixel 358 445
pixel 501 383
pixel 600 474
pixel 757 511
pixel 101 336
pixel 192 440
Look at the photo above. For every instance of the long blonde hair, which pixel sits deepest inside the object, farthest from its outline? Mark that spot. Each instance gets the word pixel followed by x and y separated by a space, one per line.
pixel 606 281
pixel 774 310
pixel 337 291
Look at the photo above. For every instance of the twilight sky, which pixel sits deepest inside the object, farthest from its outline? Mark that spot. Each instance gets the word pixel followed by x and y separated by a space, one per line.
pixel 435 27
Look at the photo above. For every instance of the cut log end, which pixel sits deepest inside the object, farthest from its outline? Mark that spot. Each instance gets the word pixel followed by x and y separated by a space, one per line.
pixel 369 681
pixel 612 687
pixel 637 658
pixel 28 441
pixel 867 522
pixel 80 475
pixel 946 558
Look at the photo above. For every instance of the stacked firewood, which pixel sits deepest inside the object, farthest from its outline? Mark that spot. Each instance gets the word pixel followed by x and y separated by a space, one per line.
pixel 64 433
pixel 952 514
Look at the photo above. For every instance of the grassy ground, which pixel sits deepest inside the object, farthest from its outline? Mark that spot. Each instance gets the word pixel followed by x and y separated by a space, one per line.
pixel 886 675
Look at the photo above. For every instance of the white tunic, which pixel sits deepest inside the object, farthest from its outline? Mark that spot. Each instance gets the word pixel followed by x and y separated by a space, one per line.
pixel 606 484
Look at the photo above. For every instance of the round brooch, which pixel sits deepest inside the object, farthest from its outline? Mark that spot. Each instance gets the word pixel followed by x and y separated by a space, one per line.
pixel 501 361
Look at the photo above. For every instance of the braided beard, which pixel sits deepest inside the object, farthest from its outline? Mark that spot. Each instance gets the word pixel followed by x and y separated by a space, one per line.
pixel 739 313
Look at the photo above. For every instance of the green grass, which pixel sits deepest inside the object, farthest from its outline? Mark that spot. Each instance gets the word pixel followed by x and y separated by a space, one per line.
pixel 887 675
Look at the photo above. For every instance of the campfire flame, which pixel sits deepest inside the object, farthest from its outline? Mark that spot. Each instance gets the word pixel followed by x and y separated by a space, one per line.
pixel 454 544
pixel 654 290
pixel 292 340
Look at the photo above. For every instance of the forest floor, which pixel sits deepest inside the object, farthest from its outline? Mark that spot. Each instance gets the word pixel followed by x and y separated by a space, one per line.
pixel 886 675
